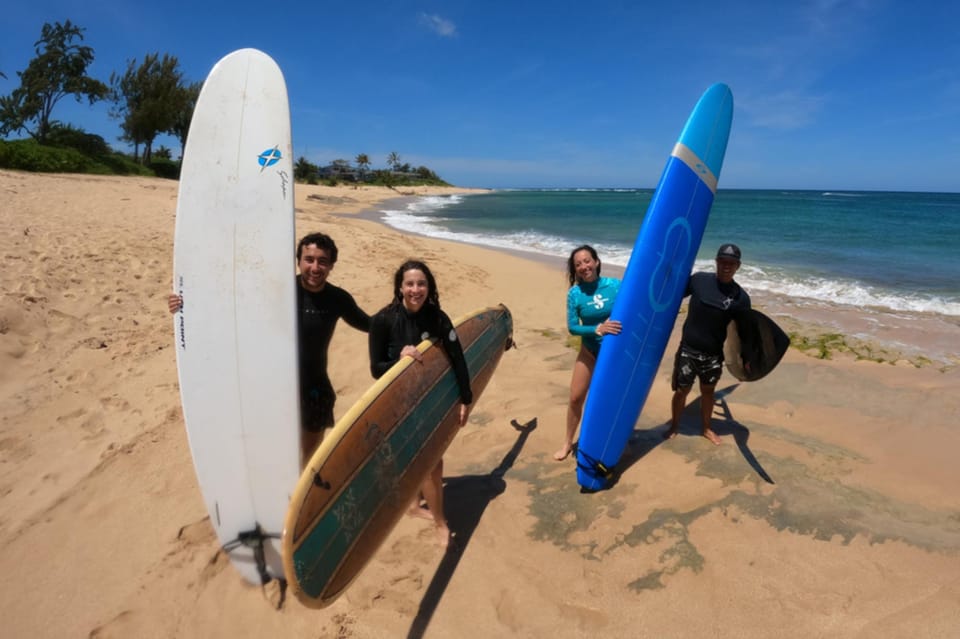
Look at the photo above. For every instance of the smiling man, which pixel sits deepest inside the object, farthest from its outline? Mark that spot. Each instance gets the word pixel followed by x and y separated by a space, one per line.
pixel 319 304
pixel 715 300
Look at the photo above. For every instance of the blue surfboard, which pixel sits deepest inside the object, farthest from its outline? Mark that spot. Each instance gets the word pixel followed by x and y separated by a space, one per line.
pixel 653 287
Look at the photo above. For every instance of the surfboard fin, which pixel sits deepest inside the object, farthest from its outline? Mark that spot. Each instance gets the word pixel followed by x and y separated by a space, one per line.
pixel 254 539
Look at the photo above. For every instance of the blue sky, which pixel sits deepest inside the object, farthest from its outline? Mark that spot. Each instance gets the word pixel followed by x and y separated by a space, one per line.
pixel 829 94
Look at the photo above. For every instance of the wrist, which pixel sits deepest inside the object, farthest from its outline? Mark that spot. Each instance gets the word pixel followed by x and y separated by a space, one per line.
pixel 597 330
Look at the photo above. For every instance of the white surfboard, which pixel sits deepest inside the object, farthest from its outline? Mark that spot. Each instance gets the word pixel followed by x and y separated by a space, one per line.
pixel 236 335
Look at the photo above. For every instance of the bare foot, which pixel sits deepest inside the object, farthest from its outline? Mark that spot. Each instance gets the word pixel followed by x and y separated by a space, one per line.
pixel 671 433
pixel 416 510
pixel 563 453
pixel 443 535
pixel 712 436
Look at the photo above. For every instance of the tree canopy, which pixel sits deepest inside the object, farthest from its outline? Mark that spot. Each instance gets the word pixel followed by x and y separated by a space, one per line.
pixel 59 70
pixel 150 99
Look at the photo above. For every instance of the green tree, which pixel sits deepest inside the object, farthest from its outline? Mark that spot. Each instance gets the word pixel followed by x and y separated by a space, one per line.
pixel 59 70
pixel 148 99
pixel 363 164
pixel 304 170
pixel 393 160
pixel 187 102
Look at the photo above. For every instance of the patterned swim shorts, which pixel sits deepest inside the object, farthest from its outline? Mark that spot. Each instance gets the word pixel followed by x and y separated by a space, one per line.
pixel 690 365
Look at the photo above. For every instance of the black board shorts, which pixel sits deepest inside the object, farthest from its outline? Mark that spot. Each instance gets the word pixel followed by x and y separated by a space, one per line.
pixel 690 365
pixel 316 407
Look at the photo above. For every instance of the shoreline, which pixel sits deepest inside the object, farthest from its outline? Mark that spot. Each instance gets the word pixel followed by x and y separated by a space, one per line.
pixel 829 509
pixel 818 329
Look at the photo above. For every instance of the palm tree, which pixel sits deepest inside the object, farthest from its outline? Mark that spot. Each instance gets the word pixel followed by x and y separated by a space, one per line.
pixel 363 164
pixel 393 160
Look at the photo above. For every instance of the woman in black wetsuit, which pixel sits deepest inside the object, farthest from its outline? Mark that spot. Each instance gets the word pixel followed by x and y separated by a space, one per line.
pixel 413 316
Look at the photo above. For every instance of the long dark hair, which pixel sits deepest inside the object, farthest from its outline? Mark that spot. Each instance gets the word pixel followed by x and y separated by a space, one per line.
pixel 572 270
pixel 433 296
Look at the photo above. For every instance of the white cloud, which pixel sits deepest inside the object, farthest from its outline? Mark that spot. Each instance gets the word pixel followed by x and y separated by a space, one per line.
pixel 440 26
pixel 785 110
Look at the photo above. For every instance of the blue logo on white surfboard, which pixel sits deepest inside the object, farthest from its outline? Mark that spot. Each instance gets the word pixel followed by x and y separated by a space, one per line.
pixel 269 157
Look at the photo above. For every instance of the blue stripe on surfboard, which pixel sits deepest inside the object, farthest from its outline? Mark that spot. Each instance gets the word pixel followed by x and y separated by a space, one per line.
pixel 707 137
pixel 324 547
pixel 629 361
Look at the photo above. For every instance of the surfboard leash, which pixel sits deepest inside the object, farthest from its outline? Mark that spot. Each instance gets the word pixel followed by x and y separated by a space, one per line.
pixel 594 466
pixel 253 539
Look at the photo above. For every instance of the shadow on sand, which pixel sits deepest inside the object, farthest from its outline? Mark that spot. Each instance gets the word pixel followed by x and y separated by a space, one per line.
pixel 642 442
pixel 465 498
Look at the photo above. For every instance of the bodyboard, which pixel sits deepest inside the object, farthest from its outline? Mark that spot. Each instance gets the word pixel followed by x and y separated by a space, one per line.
pixel 754 343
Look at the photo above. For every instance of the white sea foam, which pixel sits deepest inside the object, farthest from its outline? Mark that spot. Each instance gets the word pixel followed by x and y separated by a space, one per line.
pixel 846 293
pixel 420 217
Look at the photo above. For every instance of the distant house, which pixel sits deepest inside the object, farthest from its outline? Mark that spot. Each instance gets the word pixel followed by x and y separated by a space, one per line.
pixel 338 171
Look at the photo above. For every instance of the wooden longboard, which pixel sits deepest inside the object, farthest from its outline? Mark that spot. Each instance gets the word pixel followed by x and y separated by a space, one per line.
pixel 754 346
pixel 236 333
pixel 368 469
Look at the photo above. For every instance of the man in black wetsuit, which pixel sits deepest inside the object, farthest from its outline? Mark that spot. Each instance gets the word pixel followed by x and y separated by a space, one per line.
pixel 715 300
pixel 319 305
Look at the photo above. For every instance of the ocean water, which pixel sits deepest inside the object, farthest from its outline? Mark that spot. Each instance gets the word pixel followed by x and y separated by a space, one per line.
pixel 886 252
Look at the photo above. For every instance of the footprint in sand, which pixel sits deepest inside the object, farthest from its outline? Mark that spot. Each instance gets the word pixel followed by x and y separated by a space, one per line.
pixel 124 624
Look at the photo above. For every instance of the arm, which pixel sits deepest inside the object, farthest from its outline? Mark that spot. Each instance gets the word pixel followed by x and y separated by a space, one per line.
pixel 354 315
pixel 379 344
pixel 451 344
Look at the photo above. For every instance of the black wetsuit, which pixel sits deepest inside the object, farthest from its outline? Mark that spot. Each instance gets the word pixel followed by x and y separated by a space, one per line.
pixel 713 305
pixel 318 313
pixel 394 327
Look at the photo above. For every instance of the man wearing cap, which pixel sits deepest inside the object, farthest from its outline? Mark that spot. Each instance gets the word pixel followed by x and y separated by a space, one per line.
pixel 715 300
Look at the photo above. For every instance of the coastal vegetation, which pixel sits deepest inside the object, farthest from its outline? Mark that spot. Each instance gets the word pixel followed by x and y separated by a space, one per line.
pixel 148 98
pixel 827 345
pixel 342 172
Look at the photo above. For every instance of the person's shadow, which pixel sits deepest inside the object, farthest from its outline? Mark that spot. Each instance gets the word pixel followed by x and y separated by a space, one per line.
pixel 465 498
pixel 643 441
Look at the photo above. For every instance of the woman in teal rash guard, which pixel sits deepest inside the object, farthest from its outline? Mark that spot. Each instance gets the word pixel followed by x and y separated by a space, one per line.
pixel 589 302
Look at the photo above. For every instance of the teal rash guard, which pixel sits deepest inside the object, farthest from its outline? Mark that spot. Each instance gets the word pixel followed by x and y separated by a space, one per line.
pixel 589 304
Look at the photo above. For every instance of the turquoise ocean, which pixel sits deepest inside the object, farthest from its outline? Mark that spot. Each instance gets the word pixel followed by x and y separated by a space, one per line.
pixel 891 251
pixel 890 258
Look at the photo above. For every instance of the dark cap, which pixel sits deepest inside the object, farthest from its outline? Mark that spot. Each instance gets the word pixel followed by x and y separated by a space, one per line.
pixel 729 251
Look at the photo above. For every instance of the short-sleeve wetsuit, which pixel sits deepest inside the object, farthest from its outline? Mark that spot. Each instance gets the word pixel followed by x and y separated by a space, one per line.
pixel 589 304
pixel 712 306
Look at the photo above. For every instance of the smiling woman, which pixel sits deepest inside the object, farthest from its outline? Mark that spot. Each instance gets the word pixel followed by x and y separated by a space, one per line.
pixel 414 315
pixel 589 303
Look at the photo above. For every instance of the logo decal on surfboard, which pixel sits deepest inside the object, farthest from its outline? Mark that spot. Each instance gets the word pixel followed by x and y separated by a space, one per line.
pixel 269 157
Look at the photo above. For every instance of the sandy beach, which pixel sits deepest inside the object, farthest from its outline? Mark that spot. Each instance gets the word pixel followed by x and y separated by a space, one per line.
pixel 830 509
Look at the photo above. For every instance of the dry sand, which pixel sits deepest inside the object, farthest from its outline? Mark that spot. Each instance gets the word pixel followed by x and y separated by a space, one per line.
pixel 830 510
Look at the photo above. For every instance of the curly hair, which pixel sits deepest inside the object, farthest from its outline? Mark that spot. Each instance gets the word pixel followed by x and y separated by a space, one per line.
pixel 572 270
